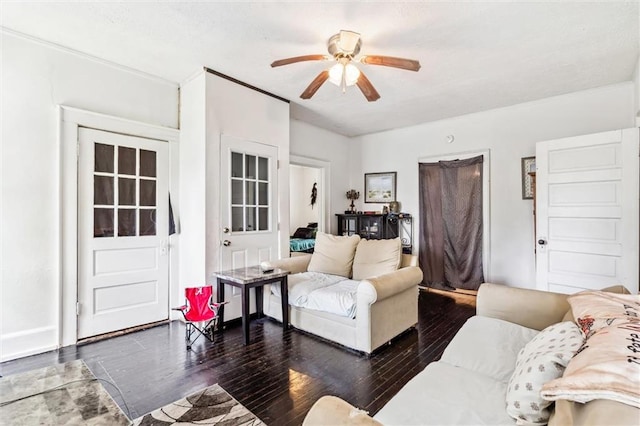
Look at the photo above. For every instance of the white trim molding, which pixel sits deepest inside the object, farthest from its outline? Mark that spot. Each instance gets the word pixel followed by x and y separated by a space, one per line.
pixel 70 120
pixel 28 342
pixel 84 55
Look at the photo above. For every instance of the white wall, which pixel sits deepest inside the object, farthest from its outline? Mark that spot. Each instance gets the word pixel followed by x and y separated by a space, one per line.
pixel 510 134
pixel 636 93
pixel 36 77
pixel 193 178
pixel 320 144
pixel 238 111
pixel 301 179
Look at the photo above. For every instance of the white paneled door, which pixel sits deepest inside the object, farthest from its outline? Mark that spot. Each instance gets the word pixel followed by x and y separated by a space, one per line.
pixel 587 212
pixel 123 218
pixel 249 208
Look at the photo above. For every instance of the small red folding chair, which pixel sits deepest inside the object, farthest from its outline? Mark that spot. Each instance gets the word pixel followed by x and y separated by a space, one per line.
pixel 199 309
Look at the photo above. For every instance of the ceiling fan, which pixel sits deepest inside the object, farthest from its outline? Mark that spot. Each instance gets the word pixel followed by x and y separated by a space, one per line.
pixel 343 48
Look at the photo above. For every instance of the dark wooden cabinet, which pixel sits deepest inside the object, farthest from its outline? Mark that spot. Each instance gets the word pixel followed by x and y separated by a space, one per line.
pixel 378 227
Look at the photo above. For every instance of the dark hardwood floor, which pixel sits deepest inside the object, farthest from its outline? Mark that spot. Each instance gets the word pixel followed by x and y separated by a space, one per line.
pixel 278 376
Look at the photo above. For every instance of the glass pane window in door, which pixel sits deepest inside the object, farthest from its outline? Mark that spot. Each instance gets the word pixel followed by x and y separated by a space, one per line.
pixel 250 167
pixel 103 158
pixel 263 219
pixel 147 163
pixel 236 191
pixel 126 160
pixel 147 222
pixel 250 218
pixel 236 165
pixel 237 219
pixel 147 192
pixel 263 168
pixel 102 222
pixel 250 193
pixel 126 222
pixel 263 194
pixel 103 190
pixel 126 192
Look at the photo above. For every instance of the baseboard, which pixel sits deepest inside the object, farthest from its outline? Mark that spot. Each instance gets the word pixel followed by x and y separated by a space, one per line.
pixel 27 342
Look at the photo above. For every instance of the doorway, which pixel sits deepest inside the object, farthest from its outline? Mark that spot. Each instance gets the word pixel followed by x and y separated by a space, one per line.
pixel 485 200
pixel 304 172
pixel 72 120
pixel 304 196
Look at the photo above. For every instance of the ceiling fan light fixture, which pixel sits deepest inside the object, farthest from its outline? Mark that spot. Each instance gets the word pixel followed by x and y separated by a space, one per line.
pixel 351 74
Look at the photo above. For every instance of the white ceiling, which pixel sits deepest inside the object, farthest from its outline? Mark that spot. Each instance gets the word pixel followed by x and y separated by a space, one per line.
pixel 475 55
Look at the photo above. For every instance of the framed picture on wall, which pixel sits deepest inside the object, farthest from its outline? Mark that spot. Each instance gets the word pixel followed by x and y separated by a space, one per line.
pixel 379 187
pixel 528 165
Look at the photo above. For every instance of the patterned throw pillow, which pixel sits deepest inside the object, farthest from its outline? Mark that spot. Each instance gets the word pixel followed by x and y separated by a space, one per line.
pixel 595 310
pixel 608 365
pixel 543 359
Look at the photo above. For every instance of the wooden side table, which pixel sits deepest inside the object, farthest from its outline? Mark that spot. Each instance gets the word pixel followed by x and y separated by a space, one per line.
pixel 246 279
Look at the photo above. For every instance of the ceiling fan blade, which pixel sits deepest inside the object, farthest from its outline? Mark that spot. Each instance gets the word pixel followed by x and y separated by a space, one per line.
pixel 348 41
pixel 367 88
pixel 295 59
pixel 315 85
pixel 389 61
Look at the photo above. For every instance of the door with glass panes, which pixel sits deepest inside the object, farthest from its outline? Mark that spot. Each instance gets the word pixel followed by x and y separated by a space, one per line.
pixel 249 208
pixel 123 222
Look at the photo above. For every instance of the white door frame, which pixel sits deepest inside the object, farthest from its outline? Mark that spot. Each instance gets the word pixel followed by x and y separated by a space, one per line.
pixel 324 205
pixel 69 120
pixel 486 199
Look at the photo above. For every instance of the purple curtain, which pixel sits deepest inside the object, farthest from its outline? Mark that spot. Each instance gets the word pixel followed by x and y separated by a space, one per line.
pixel 451 223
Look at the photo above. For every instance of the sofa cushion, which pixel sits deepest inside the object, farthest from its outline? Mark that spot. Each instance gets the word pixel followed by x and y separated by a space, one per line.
pixel 302 284
pixel 608 364
pixel 446 395
pixel 488 346
pixel 333 254
pixel 338 299
pixel 376 257
pixel 543 359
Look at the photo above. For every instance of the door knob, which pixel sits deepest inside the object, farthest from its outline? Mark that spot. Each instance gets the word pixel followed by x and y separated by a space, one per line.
pixel 226 243
pixel 225 230
pixel 542 242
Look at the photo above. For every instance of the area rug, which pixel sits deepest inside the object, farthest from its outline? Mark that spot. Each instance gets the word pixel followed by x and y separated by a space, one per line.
pixel 210 406
pixel 63 394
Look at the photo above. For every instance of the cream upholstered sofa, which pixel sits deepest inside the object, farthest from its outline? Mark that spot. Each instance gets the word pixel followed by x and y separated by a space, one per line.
pixel 471 384
pixel 358 293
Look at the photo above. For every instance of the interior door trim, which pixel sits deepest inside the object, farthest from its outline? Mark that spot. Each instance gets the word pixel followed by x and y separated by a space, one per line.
pixel 325 176
pixel 69 121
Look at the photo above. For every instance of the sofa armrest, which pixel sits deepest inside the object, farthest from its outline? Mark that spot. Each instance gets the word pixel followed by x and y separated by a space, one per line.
pixel 331 410
pixel 294 264
pixel 379 288
pixel 530 308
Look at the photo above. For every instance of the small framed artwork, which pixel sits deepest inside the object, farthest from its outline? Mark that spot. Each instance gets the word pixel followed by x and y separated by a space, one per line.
pixel 528 165
pixel 379 187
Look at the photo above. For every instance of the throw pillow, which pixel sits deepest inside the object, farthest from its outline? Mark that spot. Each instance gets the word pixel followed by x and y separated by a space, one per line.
pixel 376 257
pixel 608 365
pixel 333 254
pixel 541 360
pixel 304 233
pixel 594 310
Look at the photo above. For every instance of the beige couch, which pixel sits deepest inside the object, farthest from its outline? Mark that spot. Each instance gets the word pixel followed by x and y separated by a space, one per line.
pixel 469 384
pixel 386 304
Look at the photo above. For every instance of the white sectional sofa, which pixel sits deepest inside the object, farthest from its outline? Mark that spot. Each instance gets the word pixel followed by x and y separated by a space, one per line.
pixel 475 381
pixel 358 293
